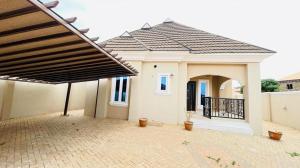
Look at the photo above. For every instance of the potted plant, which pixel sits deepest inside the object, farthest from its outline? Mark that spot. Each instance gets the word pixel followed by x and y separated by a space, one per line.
pixel 275 135
pixel 188 124
pixel 143 122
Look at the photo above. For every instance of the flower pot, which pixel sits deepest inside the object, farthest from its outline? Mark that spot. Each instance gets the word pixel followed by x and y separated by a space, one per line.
pixel 143 122
pixel 188 125
pixel 275 135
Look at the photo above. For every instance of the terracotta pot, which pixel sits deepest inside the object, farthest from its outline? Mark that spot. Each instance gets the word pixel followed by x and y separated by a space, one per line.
pixel 143 122
pixel 275 135
pixel 188 125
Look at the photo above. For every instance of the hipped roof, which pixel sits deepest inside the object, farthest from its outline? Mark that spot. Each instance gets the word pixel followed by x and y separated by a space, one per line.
pixel 173 36
pixel 38 45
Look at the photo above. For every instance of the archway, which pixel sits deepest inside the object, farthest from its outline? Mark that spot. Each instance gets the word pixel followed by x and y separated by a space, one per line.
pixel 215 96
pixel 231 89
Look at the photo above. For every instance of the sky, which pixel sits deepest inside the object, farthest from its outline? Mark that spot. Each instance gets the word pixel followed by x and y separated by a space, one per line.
pixel 272 24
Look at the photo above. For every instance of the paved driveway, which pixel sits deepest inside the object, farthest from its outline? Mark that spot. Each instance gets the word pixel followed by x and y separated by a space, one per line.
pixel 77 141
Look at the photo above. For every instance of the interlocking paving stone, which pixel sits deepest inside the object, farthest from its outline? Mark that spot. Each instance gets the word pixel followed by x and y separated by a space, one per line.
pixel 77 141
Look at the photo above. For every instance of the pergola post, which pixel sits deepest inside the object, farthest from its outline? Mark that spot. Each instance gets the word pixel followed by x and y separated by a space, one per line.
pixel 95 113
pixel 67 99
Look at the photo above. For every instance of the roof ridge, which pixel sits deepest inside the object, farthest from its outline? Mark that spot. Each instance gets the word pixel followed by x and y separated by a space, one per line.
pixel 146 26
pixel 172 39
pixel 128 34
pixel 144 45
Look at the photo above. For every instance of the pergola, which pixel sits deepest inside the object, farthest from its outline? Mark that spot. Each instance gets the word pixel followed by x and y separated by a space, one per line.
pixel 37 45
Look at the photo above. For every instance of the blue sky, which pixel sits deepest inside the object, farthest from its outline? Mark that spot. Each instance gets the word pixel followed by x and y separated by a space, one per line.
pixel 273 24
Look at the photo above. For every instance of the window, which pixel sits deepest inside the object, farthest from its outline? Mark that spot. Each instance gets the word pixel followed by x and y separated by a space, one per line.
pixel 119 91
pixel 289 86
pixel 163 85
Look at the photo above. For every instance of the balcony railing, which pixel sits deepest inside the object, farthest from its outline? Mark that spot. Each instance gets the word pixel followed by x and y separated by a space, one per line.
pixel 224 108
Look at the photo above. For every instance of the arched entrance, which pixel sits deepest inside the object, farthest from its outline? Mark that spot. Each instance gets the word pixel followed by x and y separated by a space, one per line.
pixel 215 96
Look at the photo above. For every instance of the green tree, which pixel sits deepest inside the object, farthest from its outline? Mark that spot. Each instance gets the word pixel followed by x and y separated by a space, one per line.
pixel 269 85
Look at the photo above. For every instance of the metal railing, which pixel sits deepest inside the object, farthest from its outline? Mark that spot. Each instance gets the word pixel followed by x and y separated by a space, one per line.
pixel 224 108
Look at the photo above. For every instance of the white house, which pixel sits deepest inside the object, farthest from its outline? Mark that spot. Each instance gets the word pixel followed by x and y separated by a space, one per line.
pixel 180 68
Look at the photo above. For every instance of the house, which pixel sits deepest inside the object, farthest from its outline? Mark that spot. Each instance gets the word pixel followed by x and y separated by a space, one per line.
pixel 180 69
pixel 290 82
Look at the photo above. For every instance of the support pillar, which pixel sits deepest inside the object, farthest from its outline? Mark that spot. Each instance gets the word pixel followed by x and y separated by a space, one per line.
pixel 253 98
pixel 95 113
pixel 6 98
pixel 182 92
pixel 67 99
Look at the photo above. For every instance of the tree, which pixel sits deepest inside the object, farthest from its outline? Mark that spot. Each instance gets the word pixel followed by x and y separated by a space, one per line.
pixel 269 85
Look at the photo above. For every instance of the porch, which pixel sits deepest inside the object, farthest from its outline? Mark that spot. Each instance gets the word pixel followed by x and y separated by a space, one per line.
pixel 216 96
pixel 222 124
pixel 224 97
pixel 222 114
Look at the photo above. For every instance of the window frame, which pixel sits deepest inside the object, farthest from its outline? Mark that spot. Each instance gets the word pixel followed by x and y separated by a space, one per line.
pixel 113 90
pixel 168 84
pixel 290 86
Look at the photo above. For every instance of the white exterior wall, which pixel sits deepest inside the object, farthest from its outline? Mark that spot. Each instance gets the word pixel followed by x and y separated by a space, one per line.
pixel 136 85
pixel 144 101
pixel 28 99
pixel 156 106
pixel 90 98
pixel 282 108
pixel 103 98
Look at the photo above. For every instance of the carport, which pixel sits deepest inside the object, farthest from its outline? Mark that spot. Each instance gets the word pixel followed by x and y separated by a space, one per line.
pixel 37 45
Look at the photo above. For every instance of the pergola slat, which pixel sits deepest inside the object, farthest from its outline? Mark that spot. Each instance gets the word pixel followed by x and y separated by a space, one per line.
pixel 46 78
pixel 90 72
pixel 94 79
pixel 29 28
pixel 69 69
pixel 57 79
pixel 38 39
pixel 43 48
pixel 62 64
pixel 84 30
pixel 42 56
pixel 63 69
pixel 26 10
pixel 90 79
pixel 41 51
pixel 48 59
pixel 59 61
pixel 73 77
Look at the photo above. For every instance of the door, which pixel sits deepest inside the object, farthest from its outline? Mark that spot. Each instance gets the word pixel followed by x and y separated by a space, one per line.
pixel 202 92
pixel 191 96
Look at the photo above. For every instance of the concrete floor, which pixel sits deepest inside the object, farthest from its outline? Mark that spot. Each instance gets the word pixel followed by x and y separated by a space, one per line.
pixel 224 124
pixel 221 124
pixel 78 141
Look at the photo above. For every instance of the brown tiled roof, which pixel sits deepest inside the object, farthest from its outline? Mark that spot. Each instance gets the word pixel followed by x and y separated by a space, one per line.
pixel 172 36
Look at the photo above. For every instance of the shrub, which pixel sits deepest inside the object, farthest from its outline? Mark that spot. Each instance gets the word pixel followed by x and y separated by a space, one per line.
pixel 269 85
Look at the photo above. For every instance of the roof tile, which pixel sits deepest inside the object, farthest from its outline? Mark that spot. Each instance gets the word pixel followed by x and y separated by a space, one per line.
pixel 172 36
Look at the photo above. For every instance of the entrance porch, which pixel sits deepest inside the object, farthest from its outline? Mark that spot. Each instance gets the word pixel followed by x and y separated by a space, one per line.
pixel 224 97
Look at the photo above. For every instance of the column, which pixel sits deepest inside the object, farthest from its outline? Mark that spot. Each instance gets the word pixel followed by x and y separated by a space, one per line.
pixel 7 99
pixel 253 108
pixel 182 86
